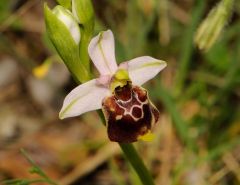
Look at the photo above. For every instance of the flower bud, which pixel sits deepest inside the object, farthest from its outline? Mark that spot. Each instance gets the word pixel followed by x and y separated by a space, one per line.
pixel 66 17
pixel 65 3
pixel 64 32
pixel 83 12
pixel 210 29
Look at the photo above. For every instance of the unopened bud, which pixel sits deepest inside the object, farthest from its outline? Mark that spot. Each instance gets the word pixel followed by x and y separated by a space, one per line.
pixel 210 29
pixel 83 12
pixel 64 32
pixel 70 22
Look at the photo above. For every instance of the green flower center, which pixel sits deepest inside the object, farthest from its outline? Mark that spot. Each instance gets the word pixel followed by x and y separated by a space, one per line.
pixel 120 79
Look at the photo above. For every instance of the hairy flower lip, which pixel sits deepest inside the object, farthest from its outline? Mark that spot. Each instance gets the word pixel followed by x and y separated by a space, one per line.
pixel 88 96
pixel 130 116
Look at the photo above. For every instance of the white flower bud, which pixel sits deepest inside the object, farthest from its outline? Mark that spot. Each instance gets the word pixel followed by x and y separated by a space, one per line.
pixel 69 21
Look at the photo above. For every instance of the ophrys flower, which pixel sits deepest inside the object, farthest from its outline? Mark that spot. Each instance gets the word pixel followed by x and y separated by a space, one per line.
pixel 128 110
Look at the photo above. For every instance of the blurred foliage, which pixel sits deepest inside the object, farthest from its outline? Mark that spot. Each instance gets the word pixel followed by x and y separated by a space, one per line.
pixel 4 9
pixel 198 94
pixel 35 170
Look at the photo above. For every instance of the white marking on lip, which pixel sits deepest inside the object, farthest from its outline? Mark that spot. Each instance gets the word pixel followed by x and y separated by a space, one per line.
pixel 118 117
pixel 135 95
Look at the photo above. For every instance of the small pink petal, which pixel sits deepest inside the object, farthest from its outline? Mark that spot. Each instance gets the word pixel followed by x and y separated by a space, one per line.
pixel 123 65
pixel 104 80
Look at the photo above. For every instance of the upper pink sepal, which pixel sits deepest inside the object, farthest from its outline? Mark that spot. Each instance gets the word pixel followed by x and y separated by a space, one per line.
pixel 102 52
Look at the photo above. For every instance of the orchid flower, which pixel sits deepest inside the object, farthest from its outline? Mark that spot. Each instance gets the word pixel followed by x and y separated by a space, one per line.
pixel 128 111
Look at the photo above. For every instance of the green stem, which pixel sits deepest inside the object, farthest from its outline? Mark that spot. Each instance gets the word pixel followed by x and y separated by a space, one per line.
pixel 134 159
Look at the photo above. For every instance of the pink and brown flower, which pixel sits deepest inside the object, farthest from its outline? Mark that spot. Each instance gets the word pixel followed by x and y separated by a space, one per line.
pixel 129 113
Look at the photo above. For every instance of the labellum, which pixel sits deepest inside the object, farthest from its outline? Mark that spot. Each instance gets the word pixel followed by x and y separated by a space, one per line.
pixel 129 113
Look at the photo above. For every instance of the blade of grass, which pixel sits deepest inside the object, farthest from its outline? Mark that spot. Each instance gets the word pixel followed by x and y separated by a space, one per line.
pixel 36 169
pixel 187 48
pixel 231 75
pixel 116 173
pixel 180 125
pixel 220 150
pixel 136 32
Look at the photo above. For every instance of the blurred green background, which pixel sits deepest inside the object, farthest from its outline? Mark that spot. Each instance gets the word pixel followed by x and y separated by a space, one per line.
pixel 198 94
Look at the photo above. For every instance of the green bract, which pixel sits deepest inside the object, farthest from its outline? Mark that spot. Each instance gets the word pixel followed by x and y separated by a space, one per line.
pixel 65 3
pixel 83 11
pixel 64 32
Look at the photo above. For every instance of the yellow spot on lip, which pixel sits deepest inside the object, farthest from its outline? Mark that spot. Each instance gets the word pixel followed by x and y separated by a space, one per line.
pixel 149 136
pixel 112 109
